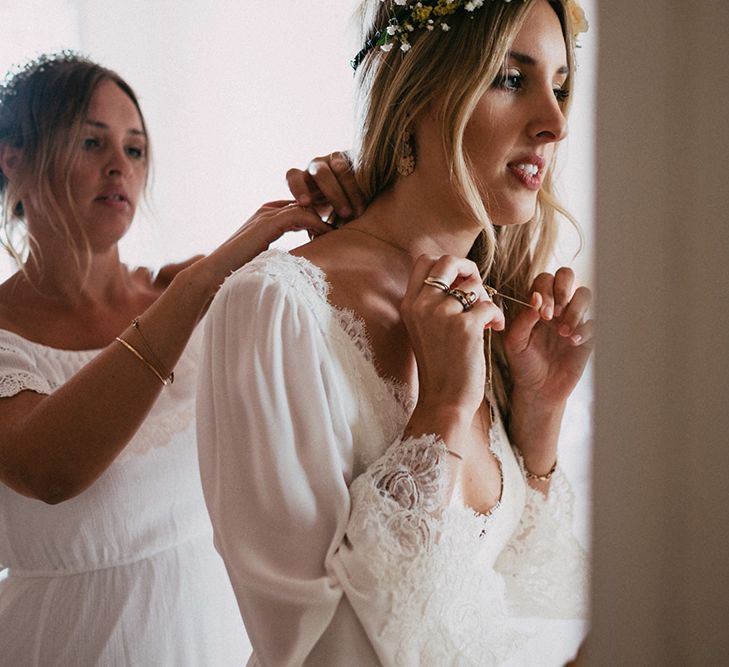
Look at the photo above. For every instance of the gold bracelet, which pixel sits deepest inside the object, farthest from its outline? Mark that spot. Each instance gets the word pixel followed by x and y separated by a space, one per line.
pixel 135 324
pixel 542 478
pixel 129 347
pixel 452 453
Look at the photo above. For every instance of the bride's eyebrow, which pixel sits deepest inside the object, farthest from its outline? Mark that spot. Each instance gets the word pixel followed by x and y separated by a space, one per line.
pixel 525 59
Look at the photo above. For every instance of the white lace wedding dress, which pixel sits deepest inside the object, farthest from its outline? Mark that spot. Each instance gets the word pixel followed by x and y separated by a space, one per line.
pixel 330 524
pixel 125 573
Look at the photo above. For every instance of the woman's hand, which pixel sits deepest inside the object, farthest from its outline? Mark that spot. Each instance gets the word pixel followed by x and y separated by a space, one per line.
pixel 447 340
pixel 548 346
pixel 267 224
pixel 328 184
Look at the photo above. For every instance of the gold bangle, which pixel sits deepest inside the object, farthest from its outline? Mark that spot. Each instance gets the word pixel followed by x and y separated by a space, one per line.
pixel 129 347
pixel 135 324
pixel 542 478
pixel 452 453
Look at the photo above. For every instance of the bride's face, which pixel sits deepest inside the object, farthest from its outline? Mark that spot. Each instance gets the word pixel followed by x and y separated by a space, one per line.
pixel 516 125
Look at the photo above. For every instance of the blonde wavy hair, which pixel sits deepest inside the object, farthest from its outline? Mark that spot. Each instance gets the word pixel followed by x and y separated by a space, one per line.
pixel 43 107
pixel 451 71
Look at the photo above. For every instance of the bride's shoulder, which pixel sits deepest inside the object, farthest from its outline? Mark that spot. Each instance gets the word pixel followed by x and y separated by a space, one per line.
pixel 275 271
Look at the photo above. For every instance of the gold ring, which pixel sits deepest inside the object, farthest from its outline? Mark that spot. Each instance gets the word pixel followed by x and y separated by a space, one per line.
pixel 466 299
pixel 440 283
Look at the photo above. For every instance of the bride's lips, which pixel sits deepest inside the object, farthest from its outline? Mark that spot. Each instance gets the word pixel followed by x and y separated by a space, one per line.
pixel 529 170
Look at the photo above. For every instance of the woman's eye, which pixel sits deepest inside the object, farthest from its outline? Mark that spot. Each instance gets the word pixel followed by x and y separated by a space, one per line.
pixel 561 95
pixel 509 81
pixel 91 142
pixel 135 152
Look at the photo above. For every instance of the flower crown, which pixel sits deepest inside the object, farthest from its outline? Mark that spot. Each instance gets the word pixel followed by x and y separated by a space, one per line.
pixel 407 16
pixel 19 74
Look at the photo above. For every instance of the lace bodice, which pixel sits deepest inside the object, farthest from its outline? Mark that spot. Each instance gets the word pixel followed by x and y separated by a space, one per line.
pixel 299 433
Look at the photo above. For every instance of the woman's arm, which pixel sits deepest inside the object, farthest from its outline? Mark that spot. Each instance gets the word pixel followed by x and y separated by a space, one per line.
pixel 275 450
pixel 547 347
pixel 52 447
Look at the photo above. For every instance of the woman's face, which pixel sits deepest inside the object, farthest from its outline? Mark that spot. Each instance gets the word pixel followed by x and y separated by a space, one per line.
pixel 111 166
pixel 516 125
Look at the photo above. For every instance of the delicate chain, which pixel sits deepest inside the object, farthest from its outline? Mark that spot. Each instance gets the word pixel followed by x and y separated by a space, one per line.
pixel 492 291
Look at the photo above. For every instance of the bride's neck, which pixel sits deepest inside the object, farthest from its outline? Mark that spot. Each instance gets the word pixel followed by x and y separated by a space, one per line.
pixel 419 221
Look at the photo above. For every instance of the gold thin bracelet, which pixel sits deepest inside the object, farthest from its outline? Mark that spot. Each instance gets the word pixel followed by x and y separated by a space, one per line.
pixel 452 453
pixel 542 478
pixel 129 347
pixel 147 347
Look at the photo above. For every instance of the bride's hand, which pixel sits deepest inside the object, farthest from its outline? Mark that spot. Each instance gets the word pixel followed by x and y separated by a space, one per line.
pixel 547 346
pixel 448 340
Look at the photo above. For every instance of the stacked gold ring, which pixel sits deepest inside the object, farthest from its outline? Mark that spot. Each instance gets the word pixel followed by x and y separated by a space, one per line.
pixel 467 299
pixel 440 283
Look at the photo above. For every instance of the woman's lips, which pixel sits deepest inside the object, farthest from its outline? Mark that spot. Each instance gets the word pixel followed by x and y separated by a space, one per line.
pixel 528 171
pixel 115 200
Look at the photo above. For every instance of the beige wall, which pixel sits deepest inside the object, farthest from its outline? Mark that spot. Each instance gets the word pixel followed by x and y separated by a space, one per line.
pixel 661 461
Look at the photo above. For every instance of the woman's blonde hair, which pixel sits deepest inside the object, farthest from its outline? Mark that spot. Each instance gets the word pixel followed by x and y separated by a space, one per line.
pixel 451 71
pixel 43 107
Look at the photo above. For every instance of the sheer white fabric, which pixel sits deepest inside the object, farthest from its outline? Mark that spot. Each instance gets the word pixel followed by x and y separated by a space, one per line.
pixel 340 543
pixel 125 573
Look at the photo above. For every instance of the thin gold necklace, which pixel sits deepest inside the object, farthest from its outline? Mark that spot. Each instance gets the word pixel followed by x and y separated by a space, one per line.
pixel 491 291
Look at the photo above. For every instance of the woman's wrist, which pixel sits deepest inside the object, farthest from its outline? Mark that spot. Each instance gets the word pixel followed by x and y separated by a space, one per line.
pixel 449 422
pixel 201 281
pixel 534 429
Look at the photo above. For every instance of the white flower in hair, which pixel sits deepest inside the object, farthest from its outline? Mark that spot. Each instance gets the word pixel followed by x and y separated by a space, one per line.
pixel 427 14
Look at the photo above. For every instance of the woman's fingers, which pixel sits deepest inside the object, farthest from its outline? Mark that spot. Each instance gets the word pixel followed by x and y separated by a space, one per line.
pixel 452 285
pixel 562 288
pixel 554 300
pixel 584 334
pixel 575 311
pixel 273 219
pixel 340 167
pixel 520 329
pixel 294 218
pixel 328 181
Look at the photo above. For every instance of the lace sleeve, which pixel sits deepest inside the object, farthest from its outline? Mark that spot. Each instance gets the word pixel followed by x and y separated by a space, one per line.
pixel 18 372
pixel 412 568
pixel 544 566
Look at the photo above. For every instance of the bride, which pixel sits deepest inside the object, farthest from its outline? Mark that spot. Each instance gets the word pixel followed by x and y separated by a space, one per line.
pixel 380 468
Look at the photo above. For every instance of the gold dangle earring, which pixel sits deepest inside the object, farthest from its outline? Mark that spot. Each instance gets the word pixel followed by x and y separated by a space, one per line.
pixel 406 161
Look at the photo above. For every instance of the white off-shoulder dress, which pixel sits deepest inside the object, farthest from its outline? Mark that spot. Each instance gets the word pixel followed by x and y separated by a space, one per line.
pixel 125 573
pixel 331 525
